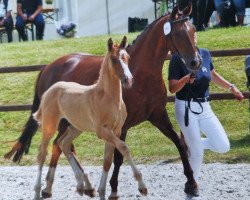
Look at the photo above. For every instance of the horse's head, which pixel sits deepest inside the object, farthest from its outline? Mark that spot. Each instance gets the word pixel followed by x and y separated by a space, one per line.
pixel 178 28
pixel 119 60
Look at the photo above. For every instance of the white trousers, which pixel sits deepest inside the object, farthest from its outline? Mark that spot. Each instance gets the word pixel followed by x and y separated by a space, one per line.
pixel 207 123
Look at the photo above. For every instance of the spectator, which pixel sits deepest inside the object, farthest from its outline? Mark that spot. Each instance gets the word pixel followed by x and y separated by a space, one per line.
pixel 6 20
pixel 201 13
pixel 30 11
pixel 227 9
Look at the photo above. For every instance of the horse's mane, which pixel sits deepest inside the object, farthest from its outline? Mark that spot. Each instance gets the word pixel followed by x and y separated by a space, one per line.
pixel 148 27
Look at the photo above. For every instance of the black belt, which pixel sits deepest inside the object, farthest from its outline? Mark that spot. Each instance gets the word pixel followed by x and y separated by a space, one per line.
pixel 201 100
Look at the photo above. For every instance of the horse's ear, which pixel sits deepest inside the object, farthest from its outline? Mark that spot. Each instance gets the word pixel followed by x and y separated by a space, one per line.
pixel 123 43
pixel 188 9
pixel 110 44
pixel 174 13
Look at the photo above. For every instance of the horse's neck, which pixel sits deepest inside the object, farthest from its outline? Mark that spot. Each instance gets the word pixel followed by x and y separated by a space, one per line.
pixel 150 48
pixel 108 81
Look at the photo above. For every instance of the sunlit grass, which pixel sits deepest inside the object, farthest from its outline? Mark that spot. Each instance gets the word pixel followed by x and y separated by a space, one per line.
pixel 147 143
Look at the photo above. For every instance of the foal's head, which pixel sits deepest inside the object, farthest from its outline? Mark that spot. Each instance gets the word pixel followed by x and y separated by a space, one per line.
pixel 119 60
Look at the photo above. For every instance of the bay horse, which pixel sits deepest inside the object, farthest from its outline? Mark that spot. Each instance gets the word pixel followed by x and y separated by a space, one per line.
pixel 145 101
pixel 98 108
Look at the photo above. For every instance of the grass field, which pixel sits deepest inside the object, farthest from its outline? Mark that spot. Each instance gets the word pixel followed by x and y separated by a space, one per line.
pixel 147 144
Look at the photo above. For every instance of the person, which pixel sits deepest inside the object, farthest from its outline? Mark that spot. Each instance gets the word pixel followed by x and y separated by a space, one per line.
pixel 30 11
pixel 227 10
pixel 6 19
pixel 192 109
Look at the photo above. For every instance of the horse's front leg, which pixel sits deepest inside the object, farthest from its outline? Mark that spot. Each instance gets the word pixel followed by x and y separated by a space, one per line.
pixel 162 122
pixel 108 155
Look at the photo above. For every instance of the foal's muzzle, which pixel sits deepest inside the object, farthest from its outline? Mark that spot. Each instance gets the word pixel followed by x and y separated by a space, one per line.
pixel 127 82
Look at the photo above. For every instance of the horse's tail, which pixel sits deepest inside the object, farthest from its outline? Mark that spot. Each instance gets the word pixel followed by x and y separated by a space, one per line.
pixel 31 126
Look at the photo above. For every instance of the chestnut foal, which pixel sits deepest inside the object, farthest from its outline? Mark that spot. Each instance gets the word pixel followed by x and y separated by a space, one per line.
pixel 98 108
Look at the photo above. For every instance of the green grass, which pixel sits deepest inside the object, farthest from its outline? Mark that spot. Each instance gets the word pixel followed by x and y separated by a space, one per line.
pixel 147 144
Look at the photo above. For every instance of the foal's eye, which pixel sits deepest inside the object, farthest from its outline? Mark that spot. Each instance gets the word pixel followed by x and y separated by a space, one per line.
pixel 114 60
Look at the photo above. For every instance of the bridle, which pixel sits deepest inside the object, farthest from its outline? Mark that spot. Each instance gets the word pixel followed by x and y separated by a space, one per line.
pixel 170 34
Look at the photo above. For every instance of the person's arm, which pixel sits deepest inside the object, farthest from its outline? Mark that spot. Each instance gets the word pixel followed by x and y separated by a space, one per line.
pixel 38 10
pixel 20 12
pixel 177 85
pixel 220 81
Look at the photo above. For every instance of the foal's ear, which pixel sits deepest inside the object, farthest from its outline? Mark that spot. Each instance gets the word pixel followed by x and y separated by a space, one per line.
pixel 110 44
pixel 188 9
pixel 174 13
pixel 123 43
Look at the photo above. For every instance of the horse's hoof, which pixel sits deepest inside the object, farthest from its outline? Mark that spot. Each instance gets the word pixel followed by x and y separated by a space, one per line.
pixel 114 196
pixel 80 191
pixel 143 191
pixel 191 190
pixel 90 192
pixel 46 195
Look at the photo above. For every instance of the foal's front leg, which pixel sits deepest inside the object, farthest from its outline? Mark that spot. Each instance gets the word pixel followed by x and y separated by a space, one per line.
pixel 113 140
pixel 108 155
pixel 65 145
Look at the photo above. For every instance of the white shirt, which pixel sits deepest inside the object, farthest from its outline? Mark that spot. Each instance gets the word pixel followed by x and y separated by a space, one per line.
pixel 2 10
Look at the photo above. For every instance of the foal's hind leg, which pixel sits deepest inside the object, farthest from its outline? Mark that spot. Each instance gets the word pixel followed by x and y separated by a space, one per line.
pixel 161 121
pixel 65 145
pixel 56 152
pixel 47 135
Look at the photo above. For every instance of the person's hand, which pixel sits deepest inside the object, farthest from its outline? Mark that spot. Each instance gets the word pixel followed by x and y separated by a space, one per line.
pixel 189 78
pixel 24 16
pixel 31 18
pixel 239 96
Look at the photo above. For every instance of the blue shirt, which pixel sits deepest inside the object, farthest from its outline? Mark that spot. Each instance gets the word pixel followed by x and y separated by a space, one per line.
pixel 30 6
pixel 200 87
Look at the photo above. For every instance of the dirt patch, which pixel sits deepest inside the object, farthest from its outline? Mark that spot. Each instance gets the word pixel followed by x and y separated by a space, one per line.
pixel 164 182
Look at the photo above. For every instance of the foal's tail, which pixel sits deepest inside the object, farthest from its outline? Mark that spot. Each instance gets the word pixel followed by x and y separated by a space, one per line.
pixel 31 126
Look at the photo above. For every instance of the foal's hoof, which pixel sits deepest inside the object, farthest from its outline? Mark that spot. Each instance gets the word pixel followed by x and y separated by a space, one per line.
pixel 143 191
pixel 191 190
pixel 46 195
pixel 90 192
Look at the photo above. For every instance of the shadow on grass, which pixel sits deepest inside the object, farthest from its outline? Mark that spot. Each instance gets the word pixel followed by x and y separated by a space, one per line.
pixel 242 142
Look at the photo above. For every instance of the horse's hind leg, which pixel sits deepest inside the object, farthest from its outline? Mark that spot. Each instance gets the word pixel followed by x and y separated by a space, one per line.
pixel 162 122
pixel 56 152
pixel 108 155
pixel 65 145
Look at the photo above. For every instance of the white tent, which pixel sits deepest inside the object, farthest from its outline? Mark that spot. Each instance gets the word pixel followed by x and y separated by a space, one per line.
pixel 98 17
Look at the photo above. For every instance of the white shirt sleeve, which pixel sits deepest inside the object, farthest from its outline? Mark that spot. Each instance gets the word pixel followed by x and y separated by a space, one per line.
pixel 10 6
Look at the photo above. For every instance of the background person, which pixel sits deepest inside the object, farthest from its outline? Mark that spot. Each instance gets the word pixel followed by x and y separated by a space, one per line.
pixel 193 112
pixel 30 11
pixel 6 20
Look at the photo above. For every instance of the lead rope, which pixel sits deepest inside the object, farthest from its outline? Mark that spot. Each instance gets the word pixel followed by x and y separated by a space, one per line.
pixel 187 104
